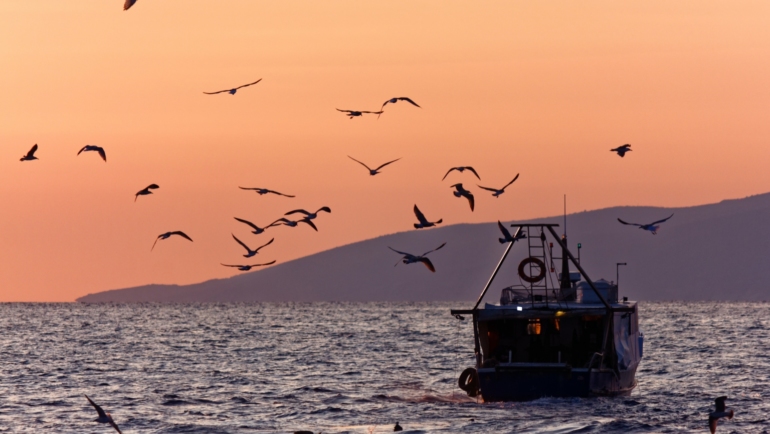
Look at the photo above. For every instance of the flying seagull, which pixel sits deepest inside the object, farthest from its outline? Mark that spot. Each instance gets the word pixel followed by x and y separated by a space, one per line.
pixel 250 252
pixel 127 5
pixel 652 227
pixel 621 150
pixel 292 223
pixel 257 230
pixel 721 411
pixel 411 259
pixel 461 169
pixel 98 149
pixel 397 99
pixel 103 416
pixel 354 113
pixel 30 154
pixel 262 191
pixel 145 191
pixel 168 234
pixel 248 267
pixel 424 223
pixel 233 90
pixel 373 172
pixel 310 215
pixel 507 238
pixel 461 192
pixel 497 192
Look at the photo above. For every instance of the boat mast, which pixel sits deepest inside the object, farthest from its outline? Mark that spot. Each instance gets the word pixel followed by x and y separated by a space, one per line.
pixel 565 280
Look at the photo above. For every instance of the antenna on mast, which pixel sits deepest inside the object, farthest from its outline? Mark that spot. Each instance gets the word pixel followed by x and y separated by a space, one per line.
pixel 565 214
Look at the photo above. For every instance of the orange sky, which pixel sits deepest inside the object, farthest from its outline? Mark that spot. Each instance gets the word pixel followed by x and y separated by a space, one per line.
pixel 538 88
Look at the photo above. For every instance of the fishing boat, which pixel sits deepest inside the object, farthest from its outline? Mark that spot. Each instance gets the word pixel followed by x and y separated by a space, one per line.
pixel 557 334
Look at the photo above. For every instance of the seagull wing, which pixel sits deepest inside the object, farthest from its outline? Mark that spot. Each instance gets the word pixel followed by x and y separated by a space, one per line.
pixel 228 265
pixel 363 163
pixel 32 151
pixel 156 242
pixel 102 153
pixel 261 265
pixel 474 171
pixel 505 232
pixel 627 223
pixel 384 104
pixel 96 406
pixel 311 224
pixel 126 6
pixel 296 211
pixel 420 216
pixel 400 252
pixel 324 208
pixel 437 248
pixel 720 403
pixel 280 194
pixel 241 243
pixel 181 234
pixel 84 148
pixel 266 244
pixel 246 85
pixel 219 91
pixel 487 188
pixel 403 98
pixel 152 186
pixel 428 264
pixel 661 221
pixel 281 220
pixel 383 165
pixel 345 111
pixel 247 222
pixel 447 173
pixel 512 181
pixel 468 195
pixel 114 425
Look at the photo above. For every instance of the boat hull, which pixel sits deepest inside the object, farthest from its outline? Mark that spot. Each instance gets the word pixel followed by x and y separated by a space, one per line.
pixel 526 383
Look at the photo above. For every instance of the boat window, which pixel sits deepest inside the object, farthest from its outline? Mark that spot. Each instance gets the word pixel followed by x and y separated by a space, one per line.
pixel 533 327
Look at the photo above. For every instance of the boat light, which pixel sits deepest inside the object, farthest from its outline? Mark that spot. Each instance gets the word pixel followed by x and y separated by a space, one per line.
pixel 560 313
pixel 519 308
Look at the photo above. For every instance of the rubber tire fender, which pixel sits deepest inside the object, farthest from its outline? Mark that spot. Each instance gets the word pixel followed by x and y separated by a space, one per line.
pixel 469 381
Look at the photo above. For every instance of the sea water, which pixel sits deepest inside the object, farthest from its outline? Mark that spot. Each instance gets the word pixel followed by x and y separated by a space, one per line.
pixel 350 367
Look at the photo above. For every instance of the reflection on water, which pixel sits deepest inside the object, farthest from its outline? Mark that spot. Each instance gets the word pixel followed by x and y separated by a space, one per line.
pixel 345 367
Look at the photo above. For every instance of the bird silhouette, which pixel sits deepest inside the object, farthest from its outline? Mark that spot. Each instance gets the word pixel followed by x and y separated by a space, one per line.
pixel 293 223
pixel 721 411
pixel 30 154
pixel 411 259
pixel 257 230
pixel 127 5
pixel 103 416
pixel 423 222
pixel 262 191
pixel 354 113
pixel 98 149
pixel 248 267
pixel 462 169
pixel 373 172
pixel 498 191
pixel 507 238
pixel 652 227
pixel 397 99
pixel 461 192
pixel 397 428
pixel 250 252
pixel 310 215
pixel 233 90
pixel 145 191
pixel 621 150
pixel 167 235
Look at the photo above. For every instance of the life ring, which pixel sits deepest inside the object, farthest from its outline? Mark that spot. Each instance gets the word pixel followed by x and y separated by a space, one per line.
pixel 532 279
pixel 469 381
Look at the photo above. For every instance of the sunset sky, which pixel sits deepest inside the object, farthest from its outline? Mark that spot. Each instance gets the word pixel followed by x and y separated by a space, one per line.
pixel 543 89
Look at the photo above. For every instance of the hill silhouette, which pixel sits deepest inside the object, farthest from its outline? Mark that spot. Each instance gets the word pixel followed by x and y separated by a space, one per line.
pixel 710 252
